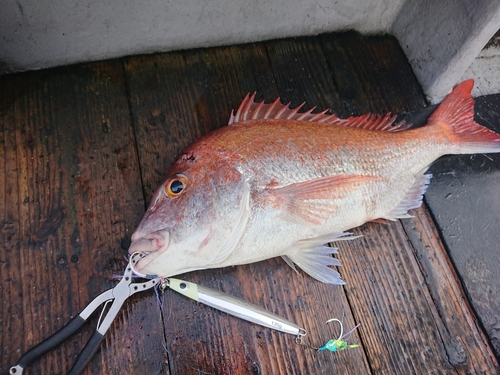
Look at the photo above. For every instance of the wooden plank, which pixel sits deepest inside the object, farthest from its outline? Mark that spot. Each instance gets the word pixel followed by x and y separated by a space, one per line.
pixel 174 102
pixel 215 342
pixel 390 295
pixel 460 198
pixel 463 199
pixel 466 348
pixel 411 323
pixel 371 74
pixel 406 330
pixel 67 138
pixel 302 74
pixel 70 196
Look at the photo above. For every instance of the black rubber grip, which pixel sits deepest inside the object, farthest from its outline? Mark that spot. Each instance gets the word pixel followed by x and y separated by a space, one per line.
pixel 87 353
pixel 51 342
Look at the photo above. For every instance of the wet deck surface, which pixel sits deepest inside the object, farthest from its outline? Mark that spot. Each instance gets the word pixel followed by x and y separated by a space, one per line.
pixel 84 147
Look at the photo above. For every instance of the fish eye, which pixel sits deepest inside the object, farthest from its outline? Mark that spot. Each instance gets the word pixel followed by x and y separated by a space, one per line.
pixel 175 186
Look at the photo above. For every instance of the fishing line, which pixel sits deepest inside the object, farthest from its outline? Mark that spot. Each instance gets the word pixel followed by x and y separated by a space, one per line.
pixel 247 311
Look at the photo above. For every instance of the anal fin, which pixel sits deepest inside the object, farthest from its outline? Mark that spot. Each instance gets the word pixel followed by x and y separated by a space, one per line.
pixel 412 199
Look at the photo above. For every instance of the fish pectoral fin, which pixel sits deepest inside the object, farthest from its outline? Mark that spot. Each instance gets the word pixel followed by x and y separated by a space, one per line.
pixel 314 257
pixel 412 199
pixel 313 201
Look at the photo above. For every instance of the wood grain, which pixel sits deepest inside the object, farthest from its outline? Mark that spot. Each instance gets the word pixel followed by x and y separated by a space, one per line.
pixel 371 74
pixel 83 148
pixel 463 199
pixel 70 195
pixel 464 347
pixel 215 342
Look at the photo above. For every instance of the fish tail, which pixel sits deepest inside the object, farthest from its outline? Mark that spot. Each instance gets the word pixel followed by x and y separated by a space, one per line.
pixel 456 116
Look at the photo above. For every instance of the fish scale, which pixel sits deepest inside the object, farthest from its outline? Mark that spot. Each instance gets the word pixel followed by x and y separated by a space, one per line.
pixel 277 182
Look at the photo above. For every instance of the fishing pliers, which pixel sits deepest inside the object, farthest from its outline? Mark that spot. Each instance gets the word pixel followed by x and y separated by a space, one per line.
pixel 116 296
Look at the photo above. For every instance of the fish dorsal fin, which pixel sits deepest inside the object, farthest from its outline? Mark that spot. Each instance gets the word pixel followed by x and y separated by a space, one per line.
pixel 314 257
pixel 250 110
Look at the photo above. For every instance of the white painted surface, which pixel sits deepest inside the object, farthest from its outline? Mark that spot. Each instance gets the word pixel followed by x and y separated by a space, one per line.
pixel 441 38
pixel 43 33
pixel 486 69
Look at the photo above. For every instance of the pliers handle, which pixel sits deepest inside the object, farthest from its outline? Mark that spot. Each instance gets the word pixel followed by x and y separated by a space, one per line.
pixel 124 289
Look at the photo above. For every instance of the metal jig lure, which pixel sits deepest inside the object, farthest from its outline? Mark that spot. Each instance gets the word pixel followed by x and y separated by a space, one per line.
pixel 233 306
pixel 250 312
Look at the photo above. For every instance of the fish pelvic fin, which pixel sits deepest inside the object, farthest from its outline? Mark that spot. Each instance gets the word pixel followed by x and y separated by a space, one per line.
pixel 412 199
pixel 455 115
pixel 314 257
pixel 250 110
pixel 313 201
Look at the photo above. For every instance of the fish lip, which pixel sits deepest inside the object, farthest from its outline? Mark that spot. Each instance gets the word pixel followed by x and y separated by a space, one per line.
pixel 151 242
pixel 152 245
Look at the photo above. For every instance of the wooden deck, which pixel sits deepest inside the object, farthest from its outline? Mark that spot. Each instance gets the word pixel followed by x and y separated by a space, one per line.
pixel 84 147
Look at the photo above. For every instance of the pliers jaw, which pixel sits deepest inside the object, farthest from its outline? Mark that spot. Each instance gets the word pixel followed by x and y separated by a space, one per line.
pixel 116 296
pixel 123 290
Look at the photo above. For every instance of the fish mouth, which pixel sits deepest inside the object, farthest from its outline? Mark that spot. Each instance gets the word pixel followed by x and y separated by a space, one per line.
pixel 152 246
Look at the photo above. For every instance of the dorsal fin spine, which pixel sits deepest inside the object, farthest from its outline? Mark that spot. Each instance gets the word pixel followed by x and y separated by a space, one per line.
pixel 257 110
pixel 234 118
pixel 380 122
pixel 280 112
pixel 248 106
pixel 250 110
pixel 244 104
pixel 271 107
pixel 328 118
pixel 318 115
pixel 305 114
pixel 294 111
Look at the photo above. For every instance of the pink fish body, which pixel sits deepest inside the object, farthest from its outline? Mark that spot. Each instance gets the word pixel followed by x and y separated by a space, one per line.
pixel 277 182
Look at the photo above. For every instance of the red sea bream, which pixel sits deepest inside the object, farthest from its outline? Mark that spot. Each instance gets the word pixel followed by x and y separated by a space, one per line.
pixel 276 182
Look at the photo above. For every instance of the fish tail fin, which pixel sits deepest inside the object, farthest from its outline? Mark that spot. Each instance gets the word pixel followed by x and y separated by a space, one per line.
pixel 456 115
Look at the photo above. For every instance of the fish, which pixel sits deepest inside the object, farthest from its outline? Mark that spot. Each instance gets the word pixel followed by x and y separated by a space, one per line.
pixel 280 182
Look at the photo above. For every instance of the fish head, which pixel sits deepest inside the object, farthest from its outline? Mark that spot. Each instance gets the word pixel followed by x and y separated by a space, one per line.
pixel 195 219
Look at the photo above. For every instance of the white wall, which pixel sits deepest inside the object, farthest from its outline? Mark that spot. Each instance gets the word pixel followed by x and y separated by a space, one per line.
pixel 36 34
pixel 441 38
pixel 486 69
